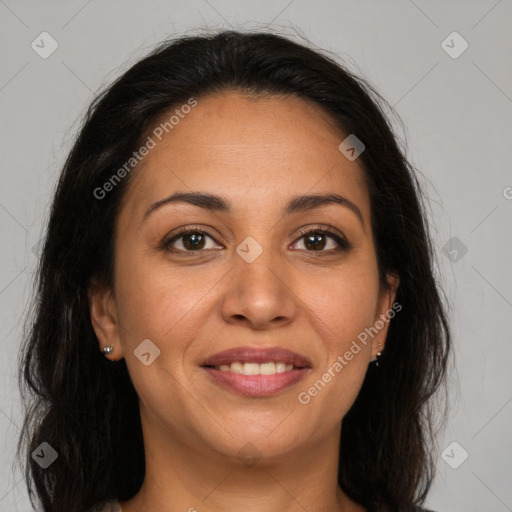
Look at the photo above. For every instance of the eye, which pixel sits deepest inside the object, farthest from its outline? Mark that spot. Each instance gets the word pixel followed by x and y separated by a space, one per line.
pixel 189 240
pixel 314 239
pixel 323 240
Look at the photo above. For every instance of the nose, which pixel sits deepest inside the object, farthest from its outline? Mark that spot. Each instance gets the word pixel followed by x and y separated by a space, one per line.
pixel 259 294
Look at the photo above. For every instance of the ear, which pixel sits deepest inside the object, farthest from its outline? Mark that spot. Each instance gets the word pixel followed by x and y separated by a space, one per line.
pixel 102 308
pixel 386 310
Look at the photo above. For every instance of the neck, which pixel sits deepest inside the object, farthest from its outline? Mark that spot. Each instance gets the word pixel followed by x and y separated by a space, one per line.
pixel 187 476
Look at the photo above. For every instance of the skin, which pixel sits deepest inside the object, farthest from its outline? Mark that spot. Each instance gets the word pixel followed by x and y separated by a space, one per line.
pixel 257 153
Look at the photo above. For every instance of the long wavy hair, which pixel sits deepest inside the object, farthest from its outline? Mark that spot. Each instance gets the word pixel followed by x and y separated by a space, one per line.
pixel 86 408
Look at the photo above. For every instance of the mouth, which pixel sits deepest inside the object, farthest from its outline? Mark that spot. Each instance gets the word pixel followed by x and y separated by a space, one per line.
pixel 267 368
pixel 257 372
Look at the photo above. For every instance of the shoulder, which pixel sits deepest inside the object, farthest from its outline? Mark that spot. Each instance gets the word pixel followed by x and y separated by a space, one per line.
pixel 410 508
pixel 111 506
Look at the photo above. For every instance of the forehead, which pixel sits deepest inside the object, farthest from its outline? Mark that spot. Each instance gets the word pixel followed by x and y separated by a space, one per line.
pixel 259 148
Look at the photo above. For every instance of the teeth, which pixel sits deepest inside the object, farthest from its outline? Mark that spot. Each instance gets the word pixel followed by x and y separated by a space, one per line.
pixel 269 368
pixel 281 367
pixel 251 369
pixel 237 368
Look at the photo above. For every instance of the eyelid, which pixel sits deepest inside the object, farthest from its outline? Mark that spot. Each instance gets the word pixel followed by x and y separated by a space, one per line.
pixel 321 227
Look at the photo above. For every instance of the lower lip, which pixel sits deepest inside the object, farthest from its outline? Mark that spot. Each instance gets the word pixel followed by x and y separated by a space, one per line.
pixel 257 385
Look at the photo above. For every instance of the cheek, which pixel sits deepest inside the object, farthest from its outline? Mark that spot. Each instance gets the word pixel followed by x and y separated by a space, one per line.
pixel 155 304
pixel 343 308
pixel 346 303
pixel 154 299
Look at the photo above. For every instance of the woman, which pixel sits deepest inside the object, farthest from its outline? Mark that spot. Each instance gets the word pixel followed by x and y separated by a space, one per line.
pixel 236 307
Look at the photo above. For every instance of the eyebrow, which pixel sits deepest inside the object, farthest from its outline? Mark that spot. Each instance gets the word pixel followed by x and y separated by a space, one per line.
pixel 215 203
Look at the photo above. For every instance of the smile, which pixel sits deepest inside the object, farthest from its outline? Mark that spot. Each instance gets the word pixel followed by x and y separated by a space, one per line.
pixel 268 368
pixel 257 385
pixel 257 372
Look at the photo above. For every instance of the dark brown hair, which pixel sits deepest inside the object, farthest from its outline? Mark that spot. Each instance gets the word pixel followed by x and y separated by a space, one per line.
pixel 87 408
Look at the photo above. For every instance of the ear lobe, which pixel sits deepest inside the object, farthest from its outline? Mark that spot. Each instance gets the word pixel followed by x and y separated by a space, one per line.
pixel 385 312
pixel 393 282
pixel 104 318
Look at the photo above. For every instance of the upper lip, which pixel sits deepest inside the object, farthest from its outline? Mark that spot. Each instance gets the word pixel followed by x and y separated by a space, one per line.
pixel 257 355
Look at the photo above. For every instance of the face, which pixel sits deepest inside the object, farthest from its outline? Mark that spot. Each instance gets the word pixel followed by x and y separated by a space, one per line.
pixel 262 280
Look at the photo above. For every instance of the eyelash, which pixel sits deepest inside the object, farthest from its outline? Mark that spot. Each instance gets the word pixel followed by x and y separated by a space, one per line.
pixel 343 244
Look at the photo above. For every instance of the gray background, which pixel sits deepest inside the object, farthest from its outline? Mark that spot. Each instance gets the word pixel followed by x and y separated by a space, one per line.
pixel 457 113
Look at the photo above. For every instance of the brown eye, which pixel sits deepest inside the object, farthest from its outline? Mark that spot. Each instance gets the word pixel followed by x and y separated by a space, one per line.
pixel 319 240
pixel 193 241
pixel 315 241
pixel 190 240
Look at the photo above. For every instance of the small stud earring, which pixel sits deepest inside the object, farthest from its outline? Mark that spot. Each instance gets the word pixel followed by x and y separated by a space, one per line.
pixel 108 350
pixel 376 360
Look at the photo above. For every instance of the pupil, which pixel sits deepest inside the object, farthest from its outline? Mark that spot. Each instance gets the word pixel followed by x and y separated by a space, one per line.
pixel 193 240
pixel 315 241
